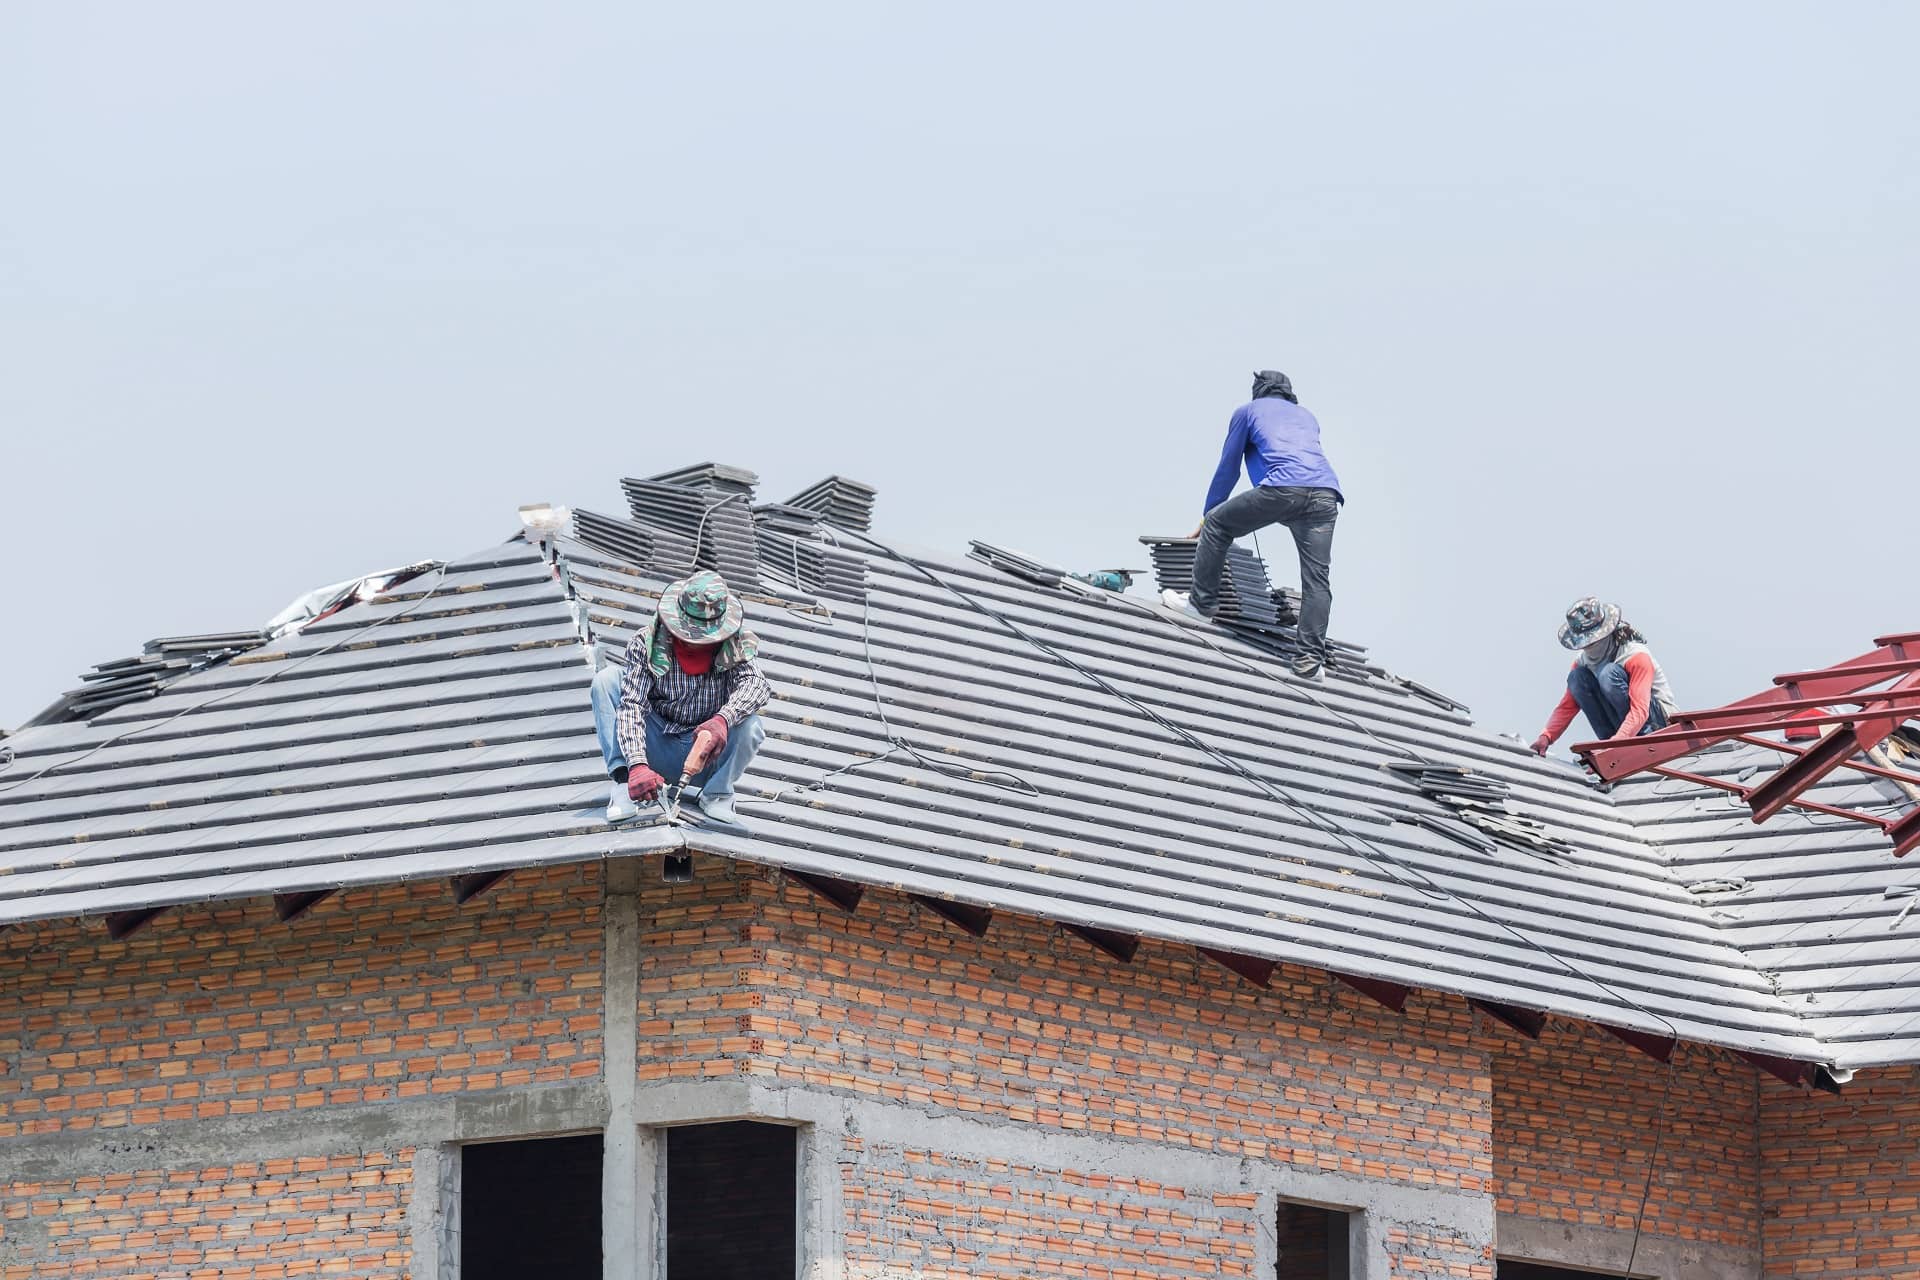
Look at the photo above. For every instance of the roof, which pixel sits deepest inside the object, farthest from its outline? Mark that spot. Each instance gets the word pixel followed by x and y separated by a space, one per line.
pixel 984 739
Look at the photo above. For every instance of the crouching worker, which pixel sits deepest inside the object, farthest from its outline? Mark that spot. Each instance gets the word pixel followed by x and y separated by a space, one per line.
pixel 1615 680
pixel 686 704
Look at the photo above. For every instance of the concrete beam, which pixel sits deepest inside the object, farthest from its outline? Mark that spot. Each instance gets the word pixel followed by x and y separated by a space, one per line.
pixel 547 1111
pixel 625 1231
pixel 1605 1249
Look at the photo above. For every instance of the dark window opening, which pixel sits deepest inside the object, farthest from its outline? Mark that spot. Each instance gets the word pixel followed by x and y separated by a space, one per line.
pixel 1313 1244
pixel 1508 1269
pixel 732 1198
pixel 530 1209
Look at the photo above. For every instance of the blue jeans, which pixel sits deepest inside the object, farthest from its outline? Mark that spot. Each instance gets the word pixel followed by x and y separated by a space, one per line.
pixel 1602 693
pixel 667 752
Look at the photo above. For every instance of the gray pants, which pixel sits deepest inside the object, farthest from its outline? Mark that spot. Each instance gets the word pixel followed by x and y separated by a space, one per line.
pixel 1309 515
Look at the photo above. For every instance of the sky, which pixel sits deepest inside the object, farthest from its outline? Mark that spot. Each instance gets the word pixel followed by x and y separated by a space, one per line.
pixel 1613 300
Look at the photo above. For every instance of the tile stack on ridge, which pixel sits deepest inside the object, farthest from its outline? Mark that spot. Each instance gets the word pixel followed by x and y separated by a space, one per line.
pixel 1246 597
pixel 166 659
pixel 636 543
pixel 1249 603
pixel 795 553
pixel 846 503
pixel 711 506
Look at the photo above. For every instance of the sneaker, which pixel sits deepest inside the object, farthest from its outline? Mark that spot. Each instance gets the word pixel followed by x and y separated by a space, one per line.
pixel 620 806
pixel 1182 602
pixel 1306 667
pixel 718 813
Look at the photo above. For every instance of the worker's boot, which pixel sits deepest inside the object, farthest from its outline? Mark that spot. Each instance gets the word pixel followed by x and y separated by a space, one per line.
pixel 620 806
pixel 1307 666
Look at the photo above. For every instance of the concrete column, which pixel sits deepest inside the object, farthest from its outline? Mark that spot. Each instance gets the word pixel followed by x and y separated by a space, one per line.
pixel 626 1227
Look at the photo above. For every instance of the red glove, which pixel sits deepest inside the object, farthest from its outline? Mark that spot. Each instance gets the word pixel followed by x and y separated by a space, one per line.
pixel 643 784
pixel 1540 745
pixel 716 735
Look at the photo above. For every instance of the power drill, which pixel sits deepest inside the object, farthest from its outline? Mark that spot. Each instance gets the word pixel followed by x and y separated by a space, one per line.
pixel 1107 579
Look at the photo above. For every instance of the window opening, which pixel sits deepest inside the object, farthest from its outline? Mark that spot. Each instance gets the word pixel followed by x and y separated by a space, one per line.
pixel 531 1209
pixel 732 1201
pixel 1313 1243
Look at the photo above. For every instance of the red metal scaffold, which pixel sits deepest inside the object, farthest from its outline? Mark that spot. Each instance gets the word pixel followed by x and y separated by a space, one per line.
pixel 1885 687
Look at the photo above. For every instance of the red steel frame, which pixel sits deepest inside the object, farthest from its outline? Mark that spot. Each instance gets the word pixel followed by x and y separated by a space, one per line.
pixel 1801 699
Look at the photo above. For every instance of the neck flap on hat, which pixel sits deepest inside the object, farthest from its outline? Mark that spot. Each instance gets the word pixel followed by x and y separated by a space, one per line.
pixel 737 648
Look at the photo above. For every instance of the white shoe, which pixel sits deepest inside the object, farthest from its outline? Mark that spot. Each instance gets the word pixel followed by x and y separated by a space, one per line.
pixel 718 812
pixel 1182 602
pixel 620 806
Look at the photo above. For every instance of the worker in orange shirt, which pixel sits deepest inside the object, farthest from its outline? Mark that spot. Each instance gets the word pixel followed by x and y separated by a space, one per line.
pixel 1615 679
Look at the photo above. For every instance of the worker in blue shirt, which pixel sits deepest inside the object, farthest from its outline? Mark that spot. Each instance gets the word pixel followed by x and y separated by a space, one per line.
pixel 1294 485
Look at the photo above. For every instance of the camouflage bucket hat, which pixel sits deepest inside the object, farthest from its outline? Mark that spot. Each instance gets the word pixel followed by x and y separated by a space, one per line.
pixel 1588 620
pixel 701 609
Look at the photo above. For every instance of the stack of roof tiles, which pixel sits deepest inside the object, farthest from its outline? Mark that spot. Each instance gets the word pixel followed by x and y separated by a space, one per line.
pixel 796 552
pixel 636 543
pixel 1013 562
pixel 710 504
pixel 166 659
pixel 1246 596
pixel 846 503
pixel 1248 600
pixel 1478 801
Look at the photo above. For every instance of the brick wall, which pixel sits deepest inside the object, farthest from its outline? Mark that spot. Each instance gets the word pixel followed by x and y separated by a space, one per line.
pixel 396 993
pixel 1032 1025
pixel 1574 1117
pixel 382 994
pixel 340 1215
pixel 945 1217
pixel 1842 1178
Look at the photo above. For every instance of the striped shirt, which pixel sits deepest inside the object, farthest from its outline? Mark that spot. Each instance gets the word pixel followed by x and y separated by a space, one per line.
pixel 679 702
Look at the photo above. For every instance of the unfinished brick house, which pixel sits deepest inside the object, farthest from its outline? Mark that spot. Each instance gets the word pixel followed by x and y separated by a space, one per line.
pixel 1070 940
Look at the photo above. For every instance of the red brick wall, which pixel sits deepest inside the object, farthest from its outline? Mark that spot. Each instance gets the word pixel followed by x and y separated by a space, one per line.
pixel 1432 1250
pixel 378 995
pixel 1574 1116
pixel 941 1217
pixel 1033 1025
pixel 340 1215
pixel 1842 1178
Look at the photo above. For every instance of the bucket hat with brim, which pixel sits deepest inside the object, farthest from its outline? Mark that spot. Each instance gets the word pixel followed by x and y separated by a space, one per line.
pixel 701 609
pixel 1588 620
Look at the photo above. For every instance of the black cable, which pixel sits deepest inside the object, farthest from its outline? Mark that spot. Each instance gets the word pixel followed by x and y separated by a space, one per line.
pixel 1357 844
pixel 1353 843
pixel 1353 722
pixel 898 745
pixel 1653 1162
pixel 275 673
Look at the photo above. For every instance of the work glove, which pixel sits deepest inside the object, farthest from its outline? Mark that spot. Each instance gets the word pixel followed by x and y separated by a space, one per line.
pixel 643 784
pixel 1540 745
pixel 708 741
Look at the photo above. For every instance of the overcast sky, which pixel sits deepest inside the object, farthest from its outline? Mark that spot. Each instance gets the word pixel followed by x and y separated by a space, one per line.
pixel 1613 299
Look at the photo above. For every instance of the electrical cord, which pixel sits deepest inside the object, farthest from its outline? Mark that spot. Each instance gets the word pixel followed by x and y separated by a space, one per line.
pixel 1354 843
pixel 1352 722
pixel 274 674
pixel 897 745
pixel 1378 857
pixel 1653 1162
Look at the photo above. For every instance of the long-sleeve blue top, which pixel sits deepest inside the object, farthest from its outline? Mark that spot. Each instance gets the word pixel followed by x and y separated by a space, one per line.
pixel 1280 443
